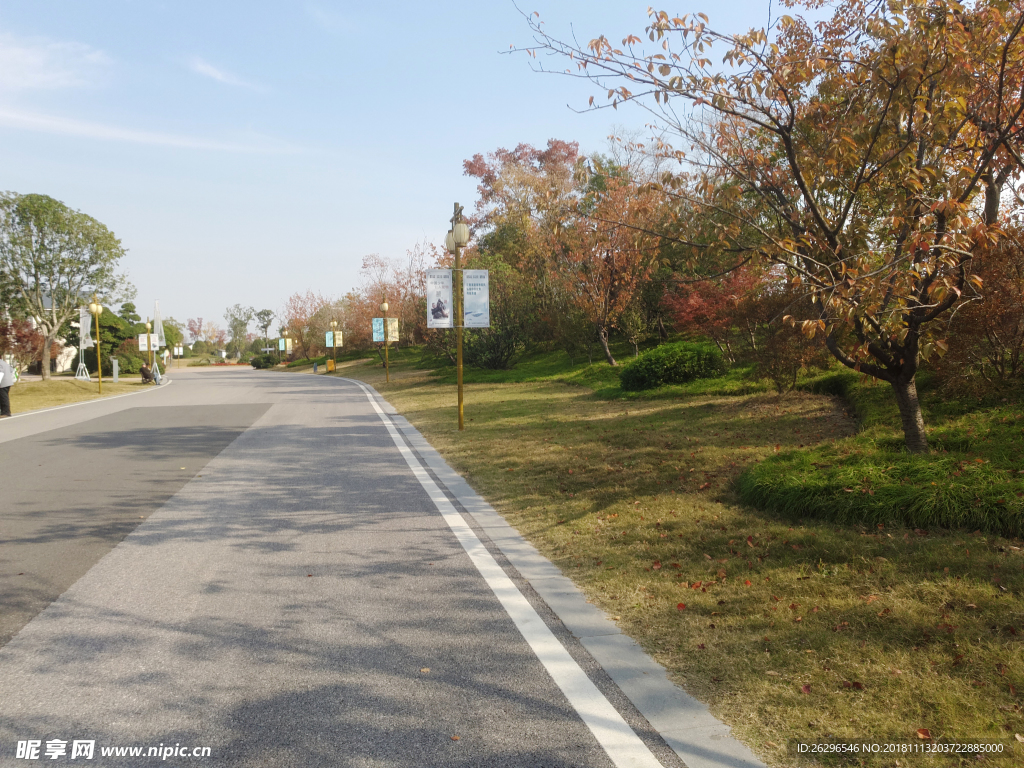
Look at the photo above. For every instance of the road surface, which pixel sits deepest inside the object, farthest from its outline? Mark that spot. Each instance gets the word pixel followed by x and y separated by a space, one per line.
pixel 271 570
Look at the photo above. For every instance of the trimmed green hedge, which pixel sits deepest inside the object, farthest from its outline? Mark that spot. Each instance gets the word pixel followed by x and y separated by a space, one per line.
pixel 672 364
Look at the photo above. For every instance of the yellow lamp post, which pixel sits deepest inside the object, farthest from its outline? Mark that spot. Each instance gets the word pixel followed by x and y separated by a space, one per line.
pixel 334 342
pixel 96 309
pixel 456 239
pixel 387 365
pixel 149 342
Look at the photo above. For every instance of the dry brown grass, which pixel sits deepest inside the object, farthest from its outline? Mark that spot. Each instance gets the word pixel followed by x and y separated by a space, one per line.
pixel 892 630
pixel 33 395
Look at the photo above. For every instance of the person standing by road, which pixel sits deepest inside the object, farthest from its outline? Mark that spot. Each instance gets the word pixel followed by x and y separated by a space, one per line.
pixel 7 379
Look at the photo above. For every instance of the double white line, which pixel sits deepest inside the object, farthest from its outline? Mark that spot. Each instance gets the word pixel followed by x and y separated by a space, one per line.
pixel 622 745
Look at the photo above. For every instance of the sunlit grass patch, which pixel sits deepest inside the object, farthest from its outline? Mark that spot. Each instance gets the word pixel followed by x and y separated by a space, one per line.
pixel 33 395
pixel 887 629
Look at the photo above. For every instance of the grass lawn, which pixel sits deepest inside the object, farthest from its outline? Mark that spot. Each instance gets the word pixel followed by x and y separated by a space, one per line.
pixel 33 395
pixel 788 628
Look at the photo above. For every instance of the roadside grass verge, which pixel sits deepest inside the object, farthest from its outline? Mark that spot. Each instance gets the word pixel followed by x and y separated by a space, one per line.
pixel 33 395
pixel 972 478
pixel 792 628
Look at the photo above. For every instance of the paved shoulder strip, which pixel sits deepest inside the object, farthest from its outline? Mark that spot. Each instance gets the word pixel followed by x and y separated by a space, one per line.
pixel 624 747
pixel 686 724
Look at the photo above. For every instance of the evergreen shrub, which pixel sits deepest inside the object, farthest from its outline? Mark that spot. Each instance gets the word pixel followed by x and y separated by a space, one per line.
pixel 672 364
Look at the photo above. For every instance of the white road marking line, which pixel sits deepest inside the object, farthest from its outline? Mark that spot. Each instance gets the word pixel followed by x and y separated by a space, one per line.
pixel 618 740
pixel 86 402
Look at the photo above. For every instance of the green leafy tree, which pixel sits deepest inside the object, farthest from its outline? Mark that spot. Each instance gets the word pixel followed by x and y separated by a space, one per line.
pixel 238 319
pixel 52 259
pixel 264 318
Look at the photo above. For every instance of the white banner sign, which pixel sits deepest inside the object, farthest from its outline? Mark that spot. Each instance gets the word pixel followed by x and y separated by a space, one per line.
pixel 144 341
pixel 439 298
pixel 85 329
pixel 476 301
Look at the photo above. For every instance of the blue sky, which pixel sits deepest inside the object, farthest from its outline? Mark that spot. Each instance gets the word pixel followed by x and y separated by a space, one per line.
pixel 243 151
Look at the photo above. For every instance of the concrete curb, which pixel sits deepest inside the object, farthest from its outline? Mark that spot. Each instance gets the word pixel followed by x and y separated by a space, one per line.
pixel 687 726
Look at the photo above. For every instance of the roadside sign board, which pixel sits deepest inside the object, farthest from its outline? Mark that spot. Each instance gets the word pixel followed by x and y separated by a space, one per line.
pixel 378 329
pixel 147 341
pixel 439 298
pixel 329 339
pixel 476 302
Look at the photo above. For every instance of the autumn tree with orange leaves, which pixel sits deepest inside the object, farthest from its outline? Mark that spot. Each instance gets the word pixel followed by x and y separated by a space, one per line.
pixel 597 261
pixel 865 155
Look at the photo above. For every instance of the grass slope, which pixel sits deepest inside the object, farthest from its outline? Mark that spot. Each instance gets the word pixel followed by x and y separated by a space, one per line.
pixel 788 628
pixel 973 477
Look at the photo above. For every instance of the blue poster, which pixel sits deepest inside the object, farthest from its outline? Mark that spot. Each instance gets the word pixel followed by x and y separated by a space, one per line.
pixel 280 344
pixel 378 329
pixel 329 342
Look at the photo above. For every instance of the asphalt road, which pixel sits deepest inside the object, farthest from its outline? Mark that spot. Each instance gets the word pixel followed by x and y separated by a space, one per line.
pixel 254 563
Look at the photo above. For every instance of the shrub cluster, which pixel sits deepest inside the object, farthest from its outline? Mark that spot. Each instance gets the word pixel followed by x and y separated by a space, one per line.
pixel 672 364
pixel 268 360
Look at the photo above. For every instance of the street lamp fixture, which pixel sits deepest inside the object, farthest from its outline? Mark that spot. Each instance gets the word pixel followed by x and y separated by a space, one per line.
pixel 96 309
pixel 149 342
pixel 387 365
pixel 456 239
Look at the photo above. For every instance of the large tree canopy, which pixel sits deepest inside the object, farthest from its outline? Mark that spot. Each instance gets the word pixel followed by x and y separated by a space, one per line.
pixel 53 259
pixel 864 155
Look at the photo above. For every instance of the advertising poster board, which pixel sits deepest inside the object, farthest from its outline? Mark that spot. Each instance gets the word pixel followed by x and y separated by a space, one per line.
pixel 392 330
pixel 378 330
pixel 476 292
pixel 280 345
pixel 439 298
pixel 329 339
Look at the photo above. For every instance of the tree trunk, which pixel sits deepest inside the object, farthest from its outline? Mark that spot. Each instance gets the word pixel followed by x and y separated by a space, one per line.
pixel 44 359
pixel 661 330
pixel 602 334
pixel 914 433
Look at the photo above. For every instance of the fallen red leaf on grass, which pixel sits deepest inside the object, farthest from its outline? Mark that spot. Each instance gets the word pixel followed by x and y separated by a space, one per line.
pixel 657 565
pixel 681 607
pixel 750 541
pixel 746 583
pixel 696 585
pixel 924 733
pixel 805 689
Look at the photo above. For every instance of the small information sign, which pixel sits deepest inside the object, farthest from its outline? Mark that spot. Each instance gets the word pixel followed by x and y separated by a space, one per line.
pixel 329 339
pixel 439 298
pixel 476 310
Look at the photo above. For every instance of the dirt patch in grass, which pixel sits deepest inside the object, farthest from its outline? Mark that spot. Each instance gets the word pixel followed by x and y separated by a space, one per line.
pixel 788 629
pixel 33 395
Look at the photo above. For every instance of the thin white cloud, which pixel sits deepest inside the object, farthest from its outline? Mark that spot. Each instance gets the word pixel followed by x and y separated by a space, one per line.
pixel 330 19
pixel 206 69
pixel 41 64
pixel 65 126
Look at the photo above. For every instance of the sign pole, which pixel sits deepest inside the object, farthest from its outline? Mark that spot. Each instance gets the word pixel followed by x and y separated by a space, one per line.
pixel 387 364
pixel 457 318
pixel 99 363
